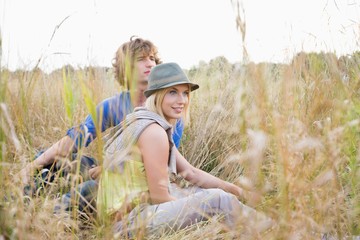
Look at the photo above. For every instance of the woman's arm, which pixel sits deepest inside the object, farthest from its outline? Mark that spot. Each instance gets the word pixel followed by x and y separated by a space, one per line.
pixel 154 146
pixel 206 180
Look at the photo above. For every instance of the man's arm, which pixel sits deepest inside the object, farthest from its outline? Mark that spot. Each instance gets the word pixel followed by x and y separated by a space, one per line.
pixel 60 149
pixel 110 112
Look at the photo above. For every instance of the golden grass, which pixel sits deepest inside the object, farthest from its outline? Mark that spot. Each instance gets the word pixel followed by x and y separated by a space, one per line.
pixel 290 132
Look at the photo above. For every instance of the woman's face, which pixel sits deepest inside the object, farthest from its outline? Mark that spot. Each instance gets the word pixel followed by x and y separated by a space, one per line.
pixel 175 101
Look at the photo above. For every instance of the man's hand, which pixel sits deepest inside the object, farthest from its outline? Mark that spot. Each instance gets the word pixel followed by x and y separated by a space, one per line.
pixel 95 171
pixel 24 174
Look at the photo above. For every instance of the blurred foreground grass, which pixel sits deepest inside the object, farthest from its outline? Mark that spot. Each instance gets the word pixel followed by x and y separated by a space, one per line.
pixel 289 131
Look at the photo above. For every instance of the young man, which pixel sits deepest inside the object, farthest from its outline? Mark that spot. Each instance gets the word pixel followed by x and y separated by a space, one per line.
pixel 132 64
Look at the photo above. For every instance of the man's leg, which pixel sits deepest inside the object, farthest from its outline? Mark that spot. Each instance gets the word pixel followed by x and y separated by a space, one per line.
pixel 82 197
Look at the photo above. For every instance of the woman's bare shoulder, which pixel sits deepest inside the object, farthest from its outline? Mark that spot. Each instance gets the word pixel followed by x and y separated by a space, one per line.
pixel 154 134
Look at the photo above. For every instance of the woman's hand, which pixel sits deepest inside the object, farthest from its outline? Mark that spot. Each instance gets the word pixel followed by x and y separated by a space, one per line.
pixel 251 197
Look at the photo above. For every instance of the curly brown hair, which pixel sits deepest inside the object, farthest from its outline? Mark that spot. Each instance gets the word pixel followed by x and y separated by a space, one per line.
pixel 125 57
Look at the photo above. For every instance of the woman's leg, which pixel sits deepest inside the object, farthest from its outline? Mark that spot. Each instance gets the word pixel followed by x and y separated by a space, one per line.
pixel 179 192
pixel 200 206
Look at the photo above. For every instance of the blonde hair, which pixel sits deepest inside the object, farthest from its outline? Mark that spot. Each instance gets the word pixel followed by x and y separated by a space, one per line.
pixel 153 103
pixel 125 57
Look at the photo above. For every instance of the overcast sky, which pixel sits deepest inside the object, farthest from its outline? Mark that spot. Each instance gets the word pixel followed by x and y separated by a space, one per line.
pixel 185 31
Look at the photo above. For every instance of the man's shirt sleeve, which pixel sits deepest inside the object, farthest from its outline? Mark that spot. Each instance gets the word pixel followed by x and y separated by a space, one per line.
pixel 109 113
pixel 178 132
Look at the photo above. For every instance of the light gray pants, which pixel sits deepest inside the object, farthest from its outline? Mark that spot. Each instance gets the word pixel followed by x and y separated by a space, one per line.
pixel 192 206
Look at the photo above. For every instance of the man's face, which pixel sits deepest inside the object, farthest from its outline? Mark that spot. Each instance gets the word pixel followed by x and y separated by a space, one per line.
pixel 143 65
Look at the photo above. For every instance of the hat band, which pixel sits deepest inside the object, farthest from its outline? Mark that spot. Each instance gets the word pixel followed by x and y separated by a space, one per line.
pixel 166 81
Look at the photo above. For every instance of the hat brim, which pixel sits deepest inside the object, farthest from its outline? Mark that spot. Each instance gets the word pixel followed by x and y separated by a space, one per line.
pixel 149 92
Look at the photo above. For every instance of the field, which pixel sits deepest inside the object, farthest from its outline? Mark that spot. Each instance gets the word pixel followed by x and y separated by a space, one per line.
pixel 290 132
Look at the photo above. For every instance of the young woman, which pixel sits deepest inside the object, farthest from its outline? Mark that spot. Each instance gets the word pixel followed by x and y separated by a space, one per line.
pixel 136 190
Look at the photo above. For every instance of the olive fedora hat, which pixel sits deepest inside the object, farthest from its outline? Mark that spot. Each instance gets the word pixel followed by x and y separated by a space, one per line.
pixel 166 75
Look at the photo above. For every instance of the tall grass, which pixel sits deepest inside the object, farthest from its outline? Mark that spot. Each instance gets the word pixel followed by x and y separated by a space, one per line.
pixel 290 132
pixel 40 118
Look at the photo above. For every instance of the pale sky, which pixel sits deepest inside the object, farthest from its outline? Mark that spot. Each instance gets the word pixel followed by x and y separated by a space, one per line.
pixel 185 31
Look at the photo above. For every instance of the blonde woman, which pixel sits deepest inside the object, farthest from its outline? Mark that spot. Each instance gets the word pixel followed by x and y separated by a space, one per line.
pixel 135 189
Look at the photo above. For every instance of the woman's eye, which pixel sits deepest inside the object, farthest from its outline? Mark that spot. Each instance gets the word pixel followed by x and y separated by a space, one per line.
pixel 186 94
pixel 172 92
